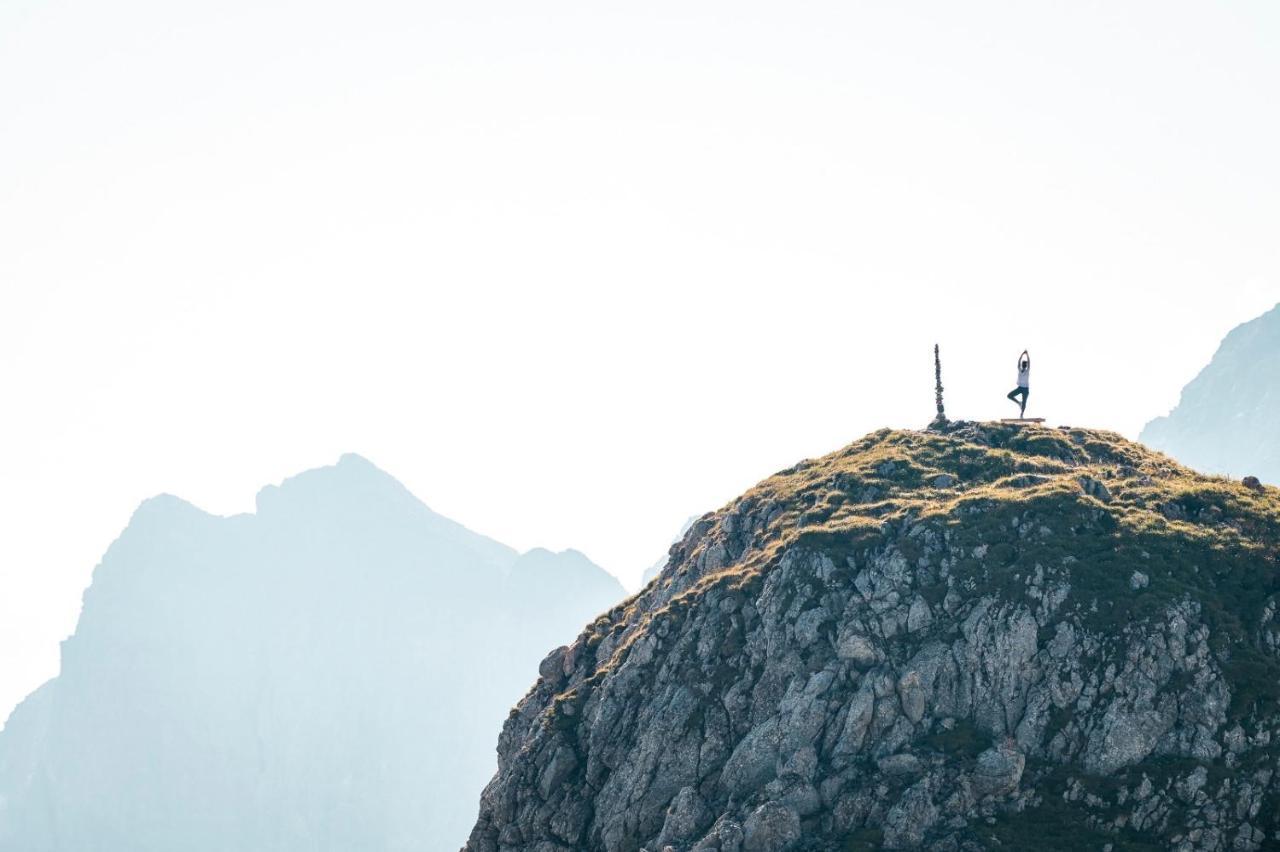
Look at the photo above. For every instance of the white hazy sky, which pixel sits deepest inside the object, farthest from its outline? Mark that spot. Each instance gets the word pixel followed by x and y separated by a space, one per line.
pixel 576 271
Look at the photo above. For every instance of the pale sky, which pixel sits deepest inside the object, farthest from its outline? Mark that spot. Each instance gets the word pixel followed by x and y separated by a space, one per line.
pixel 574 272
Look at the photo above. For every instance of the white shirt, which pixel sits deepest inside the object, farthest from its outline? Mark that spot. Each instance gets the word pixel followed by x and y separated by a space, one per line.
pixel 1024 376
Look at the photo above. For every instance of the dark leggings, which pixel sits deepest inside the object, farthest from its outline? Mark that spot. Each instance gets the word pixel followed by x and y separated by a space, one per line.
pixel 1024 392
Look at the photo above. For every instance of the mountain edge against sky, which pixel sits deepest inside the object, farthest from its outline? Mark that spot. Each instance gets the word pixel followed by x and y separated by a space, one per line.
pixel 1228 419
pixel 326 673
pixel 977 637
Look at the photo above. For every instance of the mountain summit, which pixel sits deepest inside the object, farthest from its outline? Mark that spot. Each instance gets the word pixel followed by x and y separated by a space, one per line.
pixel 979 637
pixel 324 674
pixel 1228 420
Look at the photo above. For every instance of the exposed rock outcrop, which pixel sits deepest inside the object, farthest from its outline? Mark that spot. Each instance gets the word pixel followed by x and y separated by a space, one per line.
pixel 851 657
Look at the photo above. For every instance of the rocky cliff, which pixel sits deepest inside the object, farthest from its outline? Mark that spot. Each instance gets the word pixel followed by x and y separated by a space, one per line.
pixel 975 638
pixel 327 673
pixel 1228 419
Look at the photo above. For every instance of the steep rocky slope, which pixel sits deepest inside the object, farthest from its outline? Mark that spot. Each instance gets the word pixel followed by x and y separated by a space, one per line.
pixel 1228 420
pixel 327 673
pixel 976 638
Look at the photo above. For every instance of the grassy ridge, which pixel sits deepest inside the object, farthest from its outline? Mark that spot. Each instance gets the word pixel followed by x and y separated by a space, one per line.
pixel 1013 500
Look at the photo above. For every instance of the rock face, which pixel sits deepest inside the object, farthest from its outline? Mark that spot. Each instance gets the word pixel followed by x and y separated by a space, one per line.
pixel 851 657
pixel 1226 421
pixel 325 674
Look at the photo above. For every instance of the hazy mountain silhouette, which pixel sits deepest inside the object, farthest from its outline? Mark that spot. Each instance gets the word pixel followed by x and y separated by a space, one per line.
pixel 328 673
pixel 656 568
pixel 1228 420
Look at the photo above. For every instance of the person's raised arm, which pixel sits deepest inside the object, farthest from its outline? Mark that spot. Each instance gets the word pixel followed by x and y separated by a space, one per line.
pixel 1026 356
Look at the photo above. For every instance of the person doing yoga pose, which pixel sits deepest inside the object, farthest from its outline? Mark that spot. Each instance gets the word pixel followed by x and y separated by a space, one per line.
pixel 1024 383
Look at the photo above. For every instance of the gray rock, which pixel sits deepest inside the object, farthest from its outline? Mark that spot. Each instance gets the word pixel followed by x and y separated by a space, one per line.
pixel 998 771
pixel 772 827
pixel 1094 489
pixel 809 624
pixel 552 667
pixel 858 650
pixel 687 817
pixel 752 764
pixel 913 696
pixel 900 765
pixel 562 764
pixel 725 836
pixel 919 616
pixel 909 821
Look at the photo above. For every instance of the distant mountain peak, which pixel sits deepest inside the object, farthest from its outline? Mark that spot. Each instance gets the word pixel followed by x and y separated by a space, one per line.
pixel 355 459
pixel 335 666
pixel 166 506
pixel 1226 418
pixel 544 554
pixel 538 572
pixel 350 476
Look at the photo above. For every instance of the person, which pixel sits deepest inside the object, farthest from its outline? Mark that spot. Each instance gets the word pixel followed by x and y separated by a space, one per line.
pixel 1024 383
